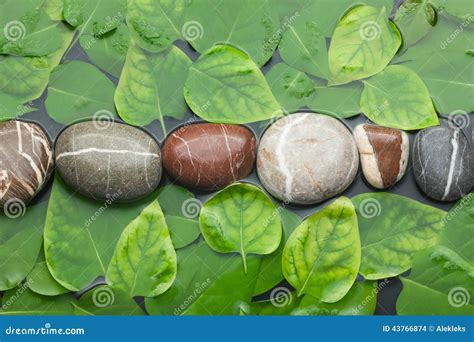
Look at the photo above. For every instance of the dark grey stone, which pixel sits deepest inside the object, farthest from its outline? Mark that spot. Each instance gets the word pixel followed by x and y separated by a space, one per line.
pixel 443 163
pixel 111 161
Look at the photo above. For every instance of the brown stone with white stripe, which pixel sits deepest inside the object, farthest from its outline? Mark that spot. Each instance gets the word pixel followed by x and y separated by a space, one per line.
pixel 208 156
pixel 383 153
pixel 26 161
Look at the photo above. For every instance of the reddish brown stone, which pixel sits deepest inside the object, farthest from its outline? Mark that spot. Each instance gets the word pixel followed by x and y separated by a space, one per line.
pixel 209 156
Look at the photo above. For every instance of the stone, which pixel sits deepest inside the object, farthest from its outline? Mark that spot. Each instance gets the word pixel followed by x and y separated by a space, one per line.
pixel 443 163
pixel 112 161
pixel 207 156
pixel 26 162
pixel 306 158
pixel 383 154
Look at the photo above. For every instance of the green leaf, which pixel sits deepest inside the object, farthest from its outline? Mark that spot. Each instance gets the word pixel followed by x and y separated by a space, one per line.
pixel 322 256
pixel 155 25
pixel 226 86
pixel 203 284
pixel 292 88
pixel 181 210
pixel 109 50
pixel 241 219
pixel 27 30
pixel 78 90
pixel 144 261
pixel 360 300
pixel 22 301
pixel 362 45
pixel 41 281
pixel 54 8
pixel 444 274
pixel 20 241
pixel 415 18
pixel 81 234
pixel 251 25
pixel 442 62
pixel 338 101
pixel 398 98
pixel 104 300
pixel 151 86
pixel 392 229
pixel 270 273
pixel 462 9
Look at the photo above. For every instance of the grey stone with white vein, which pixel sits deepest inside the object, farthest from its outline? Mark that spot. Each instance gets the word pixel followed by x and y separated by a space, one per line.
pixel 443 163
pixel 110 161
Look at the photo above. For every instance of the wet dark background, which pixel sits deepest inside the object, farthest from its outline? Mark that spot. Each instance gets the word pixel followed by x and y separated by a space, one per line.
pixel 407 187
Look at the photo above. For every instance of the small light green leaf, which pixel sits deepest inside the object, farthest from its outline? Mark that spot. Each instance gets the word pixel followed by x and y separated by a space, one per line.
pixel 292 88
pixel 108 51
pixel 144 261
pixel 242 219
pixel 150 86
pixel 42 282
pixel 251 25
pixel 360 300
pixel 21 301
pixel 398 98
pixel 322 256
pixel 338 101
pixel 20 241
pixel 104 300
pixel 392 229
pixel 78 90
pixel 226 86
pixel 155 24
pixel 362 45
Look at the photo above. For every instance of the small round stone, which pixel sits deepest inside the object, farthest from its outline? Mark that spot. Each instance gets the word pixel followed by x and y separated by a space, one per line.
pixel 26 161
pixel 111 161
pixel 306 158
pixel 443 163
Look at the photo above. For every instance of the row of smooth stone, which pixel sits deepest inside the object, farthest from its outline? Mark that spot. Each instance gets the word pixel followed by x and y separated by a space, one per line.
pixel 303 158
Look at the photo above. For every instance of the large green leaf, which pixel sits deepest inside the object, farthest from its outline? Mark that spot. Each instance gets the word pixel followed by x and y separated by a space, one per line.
pixel 398 98
pixel 144 261
pixel 444 274
pixel 208 283
pixel 338 101
pixel 109 50
pixel 362 45
pixel 151 86
pixel 241 219
pixel 292 88
pixel 226 86
pixel 251 25
pixel 27 30
pixel 20 241
pixel 270 273
pixel 108 301
pixel 81 234
pixel 392 229
pixel 360 300
pixel 156 24
pixel 78 90
pixel 322 256
pixel 22 301
pixel 181 211
pixel 41 281
pixel 443 62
